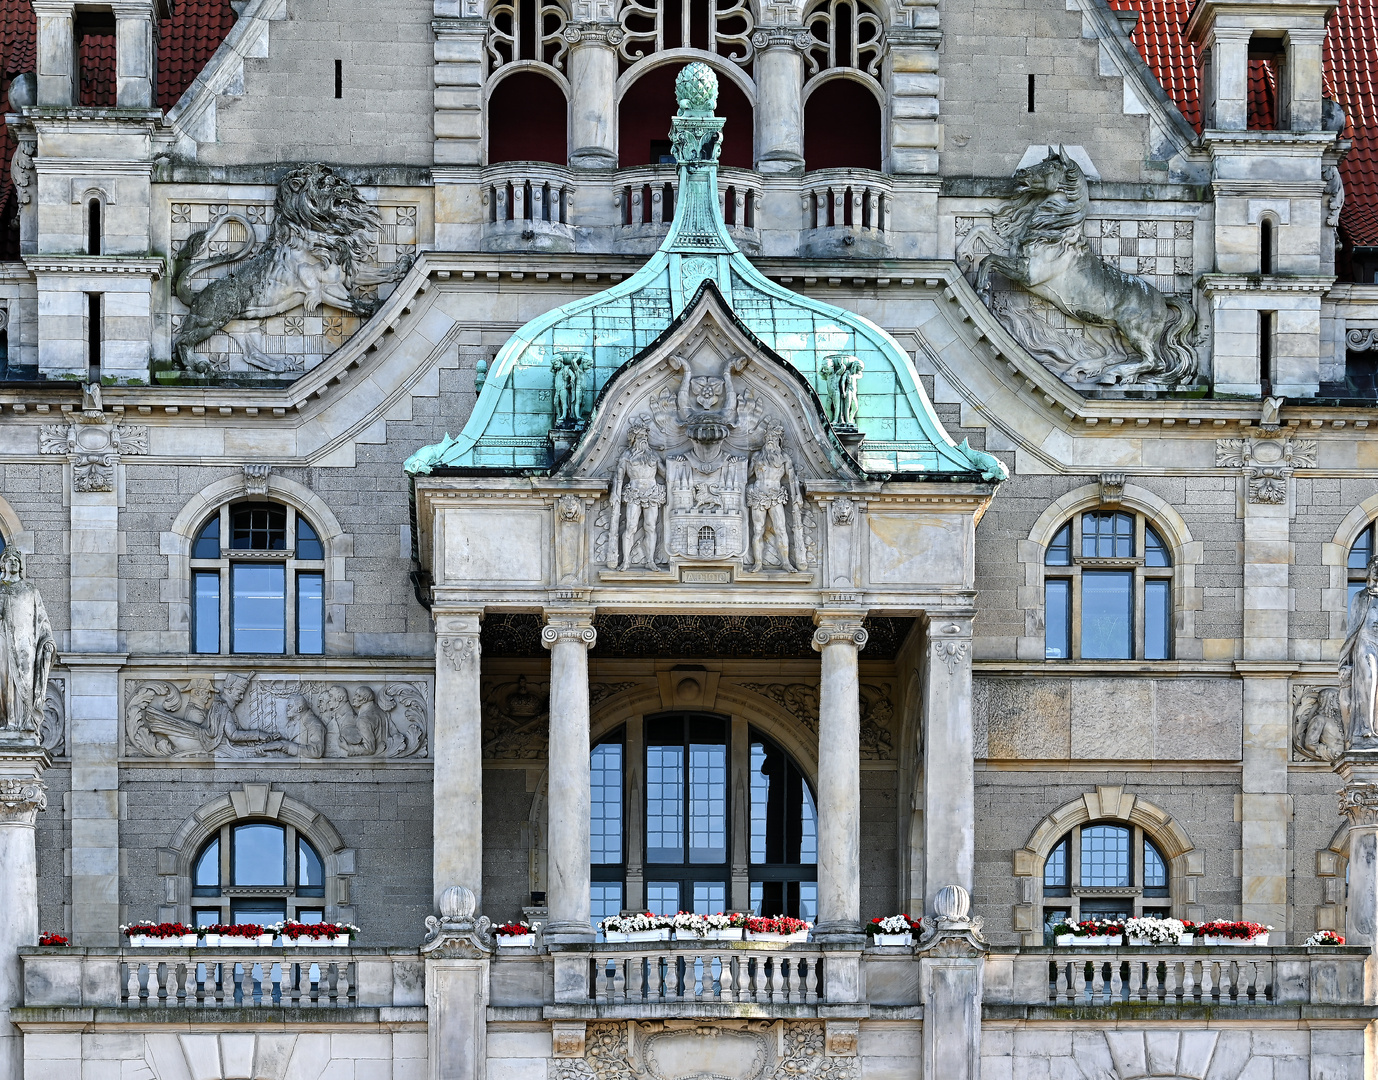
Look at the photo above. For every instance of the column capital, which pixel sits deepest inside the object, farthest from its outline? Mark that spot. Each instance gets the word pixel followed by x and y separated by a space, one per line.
pixel 456 620
pixel 782 37
pixel 574 626
pixel 1359 802
pixel 21 798
pixel 605 34
pixel 833 629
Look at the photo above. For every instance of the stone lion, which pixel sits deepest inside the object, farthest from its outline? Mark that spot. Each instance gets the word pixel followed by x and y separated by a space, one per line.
pixel 314 256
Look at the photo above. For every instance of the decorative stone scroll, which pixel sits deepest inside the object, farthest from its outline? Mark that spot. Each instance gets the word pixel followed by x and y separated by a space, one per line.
pixel 1359 802
pixel 1362 340
pixel 459 931
pixel 1267 460
pixel 93 447
pixel 257 715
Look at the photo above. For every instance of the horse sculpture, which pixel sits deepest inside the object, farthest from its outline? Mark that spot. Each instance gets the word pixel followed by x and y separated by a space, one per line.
pixel 1048 256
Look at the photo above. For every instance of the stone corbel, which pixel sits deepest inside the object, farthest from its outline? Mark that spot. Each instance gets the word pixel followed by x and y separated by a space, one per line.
pixel 256 479
pixel 1111 489
pixel 844 548
pixel 459 932
pixel 1267 460
pixel 567 1038
pixel 571 536
pixel 1362 340
pixel 93 447
pixel 842 1037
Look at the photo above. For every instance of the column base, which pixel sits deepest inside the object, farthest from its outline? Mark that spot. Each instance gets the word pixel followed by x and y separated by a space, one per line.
pixel 592 157
pixel 839 932
pixel 779 162
pixel 569 933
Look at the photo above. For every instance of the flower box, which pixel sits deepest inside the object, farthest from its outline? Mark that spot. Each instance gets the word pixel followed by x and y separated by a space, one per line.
pixel 1064 940
pixel 211 941
pixel 1101 939
pixel 733 933
pixel 140 941
pixel 798 936
pixel 890 940
pixel 1217 940
pixel 516 941
pixel 1185 939
pixel 661 934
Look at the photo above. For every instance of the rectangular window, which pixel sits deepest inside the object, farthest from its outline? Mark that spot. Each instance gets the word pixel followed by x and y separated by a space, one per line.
pixel 760 798
pixel 1157 633
pixel 209 916
pixel 1051 917
pixel 261 912
pixel 808 901
pixel 259 856
pixel 310 614
pixel 1107 614
pixel 707 804
pixel 258 615
pixel 664 804
pixel 662 897
pixel 205 611
pixel 710 897
pixel 1057 625
pixel 605 898
pixel 310 916
pixel 605 825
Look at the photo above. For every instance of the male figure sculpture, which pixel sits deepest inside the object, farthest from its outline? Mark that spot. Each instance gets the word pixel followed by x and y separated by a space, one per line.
pixel 1359 666
pixel 638 492
pixel 772 486
pixel 27 648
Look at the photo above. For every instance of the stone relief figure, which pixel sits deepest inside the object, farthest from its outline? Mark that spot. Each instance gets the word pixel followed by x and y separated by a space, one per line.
pixel 638 493
pixel 1317 723
pixel 315 255
pixel 27 648
pixel 774 485
pixel 305 728
pixel 1359 666
pixel 1334 195
pixel 1045 252
pixel 568 369
pixel 841 373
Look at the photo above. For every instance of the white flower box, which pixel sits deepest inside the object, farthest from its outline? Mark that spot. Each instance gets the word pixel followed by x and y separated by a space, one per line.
pixel 801 935
pixel 1101 939
pixel 885 940
pixel 139 941
pixel 662 934
pixel 516 941
pixel 341 940
pixel 211 941
pixel 289 942
pixel 1064 940
pixel 1185 939
pixel 731 934
pixel 266 939
pixel 1212 940
pixel 237 942
pixel 686 935
pixel 190 940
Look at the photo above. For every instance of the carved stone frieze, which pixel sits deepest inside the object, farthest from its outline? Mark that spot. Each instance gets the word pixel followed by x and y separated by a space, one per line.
pixel 515 719
pixel 22 170
pixel 1267 460
pixel 600 690
pixel 1317 723
pixel 93 447
pixel 258 715
pixel 724 1050
pixel 459 651
pixel 800 700
pixel 1362 339
pixel 21 799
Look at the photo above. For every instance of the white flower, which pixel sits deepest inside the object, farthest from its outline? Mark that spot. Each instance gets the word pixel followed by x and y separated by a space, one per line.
pixel 1156 931
pixel 893 924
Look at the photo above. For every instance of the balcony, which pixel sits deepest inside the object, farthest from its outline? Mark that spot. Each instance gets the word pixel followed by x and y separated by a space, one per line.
pixel 645 201
pixel 846 214
pixel 529 208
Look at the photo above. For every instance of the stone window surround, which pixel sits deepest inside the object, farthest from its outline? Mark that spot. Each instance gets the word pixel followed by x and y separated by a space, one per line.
pixel 176 545
pixel 1107 803
pixel 1335 555
pixel 253 802
pixel 1332 867
pixel 1170 526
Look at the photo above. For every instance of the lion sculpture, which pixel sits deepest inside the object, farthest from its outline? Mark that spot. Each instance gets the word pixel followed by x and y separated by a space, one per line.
pixel 313 257
pixel 1047 254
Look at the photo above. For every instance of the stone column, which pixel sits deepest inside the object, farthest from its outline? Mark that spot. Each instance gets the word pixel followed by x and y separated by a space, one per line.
pixel 457 779
pixel 22 796
pixel 135 56
pixel 1304 79
pixel 57 53
pixel 593 94
pixel 839 639
pixel 779 98
pixel 457 953
pixel 569 635
pixel 1229 59
pixel 1359 803
pixel 949 784
pixel 951 972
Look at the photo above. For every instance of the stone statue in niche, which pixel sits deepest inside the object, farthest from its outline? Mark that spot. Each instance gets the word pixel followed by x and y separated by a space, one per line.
pixel 1037 243
pixel 27 648
pixel 841 373
pixel 568 369
pixel 773 486
pixel 316 255
pixel 638 493
pixel 1359 666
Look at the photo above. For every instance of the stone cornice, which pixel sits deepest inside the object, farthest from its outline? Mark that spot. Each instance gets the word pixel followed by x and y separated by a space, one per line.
pixel 133 265
pixel 1270 283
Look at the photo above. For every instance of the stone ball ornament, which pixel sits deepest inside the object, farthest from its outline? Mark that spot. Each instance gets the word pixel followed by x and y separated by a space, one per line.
pixel 952 902
pixel 458 903
pixel 696 89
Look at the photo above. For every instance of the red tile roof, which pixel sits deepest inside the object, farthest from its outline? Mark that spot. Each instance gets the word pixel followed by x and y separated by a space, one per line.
pixel 1351 78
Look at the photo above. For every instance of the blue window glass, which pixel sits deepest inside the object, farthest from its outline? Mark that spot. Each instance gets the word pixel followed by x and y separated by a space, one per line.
pixel 258 910
pixel 707 804
pixel 665 804
pixel 1362 551
pixel 1155 869
pixel 259 855
pixel 1157 632
pixel 207 543
pixel 306 915
pixel 662 897
pixel 605 898
pixel 258 617
pixel 205 876
pixel 1060 550
pixel 1107 535
pixel 605 826
pixel 1057 624
pixel 1107 623
pixel 808 901
pixel 1051 918
pixel 205 611
pixel 310 871
pixel 710 897
pixel 1056 870
pixel 1105 857
pixel 784 821
pixel 1155 551
pixel 258 527
pixel 308 543
pixel 310 614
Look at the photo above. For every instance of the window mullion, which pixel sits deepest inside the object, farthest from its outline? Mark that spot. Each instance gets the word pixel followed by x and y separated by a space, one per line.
pixel 1076 612
pixel 1139 614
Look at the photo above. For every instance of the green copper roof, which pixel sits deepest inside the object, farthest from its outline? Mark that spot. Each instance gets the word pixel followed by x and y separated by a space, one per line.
pixel 510 425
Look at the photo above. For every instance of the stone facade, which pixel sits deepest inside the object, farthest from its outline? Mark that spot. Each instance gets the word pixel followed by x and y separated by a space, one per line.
pixel 571 448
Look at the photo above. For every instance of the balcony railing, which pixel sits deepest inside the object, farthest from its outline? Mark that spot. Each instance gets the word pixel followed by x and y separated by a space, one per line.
pixel 645 201
pixel 704 975
pixel 528 207
pixel 846 212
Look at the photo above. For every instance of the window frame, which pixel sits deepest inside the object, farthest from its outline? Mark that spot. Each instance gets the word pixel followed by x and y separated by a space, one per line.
pixel 223 567
pixel 1070 898
pixel 1357 577
pixel 298 901
pixel 1135 564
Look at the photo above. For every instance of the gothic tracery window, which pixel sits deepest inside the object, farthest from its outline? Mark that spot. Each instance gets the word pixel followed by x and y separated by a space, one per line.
pixel 718 26
pixel 526 30
pixel 847 34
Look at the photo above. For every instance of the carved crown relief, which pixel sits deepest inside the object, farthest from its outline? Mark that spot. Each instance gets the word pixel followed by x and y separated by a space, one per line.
pixel 706 445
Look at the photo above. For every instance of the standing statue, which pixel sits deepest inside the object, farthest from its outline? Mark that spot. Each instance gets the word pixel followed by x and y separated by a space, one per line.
pixel 1359 666
pixel 773 485
pixel 569 368
pixel 638 492
pixel 841 372
pixel 27 648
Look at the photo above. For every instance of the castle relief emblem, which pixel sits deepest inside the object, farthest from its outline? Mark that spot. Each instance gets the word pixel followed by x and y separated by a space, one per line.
pixel 280 716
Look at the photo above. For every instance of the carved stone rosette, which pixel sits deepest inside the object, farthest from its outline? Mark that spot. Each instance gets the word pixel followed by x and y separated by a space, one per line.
pixel 21 799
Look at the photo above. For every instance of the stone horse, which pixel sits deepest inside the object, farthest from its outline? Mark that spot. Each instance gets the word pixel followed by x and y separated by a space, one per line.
pixel 1050 258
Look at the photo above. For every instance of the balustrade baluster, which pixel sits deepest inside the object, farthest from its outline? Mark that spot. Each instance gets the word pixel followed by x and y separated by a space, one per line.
pixel 839 214
pixel 618 988
pixel 536 210
pixel 856 207
pixel 777 979
pixel 1207 994
pixel 501 202
pixel 1116 988
pixel 1139 973
pixel 130 983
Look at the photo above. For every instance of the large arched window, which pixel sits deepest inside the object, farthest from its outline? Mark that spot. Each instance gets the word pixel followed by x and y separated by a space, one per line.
pixel 1107 589
pixel 527 120
pixel 257 872
pixel 1360 553
pixel 1104 870
pixel 642 136
pixel 842 128
pixel 676 848
pixel 257 582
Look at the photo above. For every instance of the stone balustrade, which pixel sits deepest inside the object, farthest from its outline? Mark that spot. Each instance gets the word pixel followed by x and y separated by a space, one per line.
pixel 705 973
pixel 846 212
pixel 645 202
pixel 1148 976
pixel 530 207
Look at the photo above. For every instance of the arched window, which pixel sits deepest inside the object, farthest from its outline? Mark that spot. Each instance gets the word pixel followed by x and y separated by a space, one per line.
pixel 257 582
pixel 94 230
pixel 718 26
pixel 257 872
pixel 675 850
pixel 1267 245
pixel 1107 589
pixel 1104 870
pixel 1360 554
pixel 642 137
pixel 842 130
pixel 526 30
pixel 527 120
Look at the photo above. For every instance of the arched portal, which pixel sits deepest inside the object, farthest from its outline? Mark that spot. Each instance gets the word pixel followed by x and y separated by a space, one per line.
pixel 842 127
